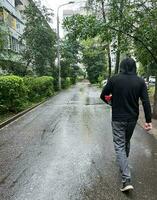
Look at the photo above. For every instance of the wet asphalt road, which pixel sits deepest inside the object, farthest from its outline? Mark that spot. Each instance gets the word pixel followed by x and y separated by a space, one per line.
pixel 63 150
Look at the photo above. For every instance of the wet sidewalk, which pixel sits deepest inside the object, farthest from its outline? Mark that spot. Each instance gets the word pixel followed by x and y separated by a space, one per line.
pixel 141 122
pixel 63 150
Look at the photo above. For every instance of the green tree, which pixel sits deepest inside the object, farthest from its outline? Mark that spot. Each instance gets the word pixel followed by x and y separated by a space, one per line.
pixel 1 38
pixel 136 23
pixel 69 59
pixel 40 39
pixel 110 13
pixel 93 58
pixel 116 11
pixel 125 26
pixel 83 27
pixel 145 41
pixel 88 29
pixel 98 9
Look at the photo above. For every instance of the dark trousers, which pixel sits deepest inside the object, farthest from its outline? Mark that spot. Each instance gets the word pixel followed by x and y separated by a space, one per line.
pixel 122 133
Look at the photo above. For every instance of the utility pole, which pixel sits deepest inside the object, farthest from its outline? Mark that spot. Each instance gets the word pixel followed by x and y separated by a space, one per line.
pixel 58 44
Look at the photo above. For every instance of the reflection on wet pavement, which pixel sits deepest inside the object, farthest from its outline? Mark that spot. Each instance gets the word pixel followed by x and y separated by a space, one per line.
pixel 63 150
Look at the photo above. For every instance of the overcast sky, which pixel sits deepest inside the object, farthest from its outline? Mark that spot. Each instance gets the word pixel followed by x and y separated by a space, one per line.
pixel 54 5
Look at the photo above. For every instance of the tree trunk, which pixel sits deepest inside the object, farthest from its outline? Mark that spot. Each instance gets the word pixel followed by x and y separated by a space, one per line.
pixel 155 101
pixel 109 61
pixel 108 45
pixel 147 74
pixel 117 62
pixel 119 38
pixel 118 54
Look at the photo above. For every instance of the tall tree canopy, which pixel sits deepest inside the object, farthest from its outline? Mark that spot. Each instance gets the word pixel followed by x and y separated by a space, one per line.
pixel 125 27
pixel 40 39
pixel 86 30
pixel 69 59
pixel 93 57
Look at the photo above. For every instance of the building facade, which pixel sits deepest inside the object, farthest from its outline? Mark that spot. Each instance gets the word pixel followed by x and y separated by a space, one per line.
pixel 67 13
pixel 10 14
pixel 13 24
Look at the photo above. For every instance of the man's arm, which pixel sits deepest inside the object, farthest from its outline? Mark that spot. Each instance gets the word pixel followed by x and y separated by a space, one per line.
pixel 146 106
pixel 107 90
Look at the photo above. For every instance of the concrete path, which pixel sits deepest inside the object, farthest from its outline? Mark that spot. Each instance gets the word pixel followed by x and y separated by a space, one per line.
pixel 63 150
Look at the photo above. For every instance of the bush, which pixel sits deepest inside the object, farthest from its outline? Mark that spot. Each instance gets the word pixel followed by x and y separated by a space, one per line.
pixel 66 82
pixel 16 92
pixel 39 87
pixel 14 68
pixel 100 80
pixel 13 93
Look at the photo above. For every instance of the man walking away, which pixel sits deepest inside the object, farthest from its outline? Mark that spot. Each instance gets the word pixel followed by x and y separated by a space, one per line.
pixel 126 88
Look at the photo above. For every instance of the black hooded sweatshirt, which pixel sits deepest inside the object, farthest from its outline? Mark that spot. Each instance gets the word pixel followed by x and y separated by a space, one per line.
pixel 126 90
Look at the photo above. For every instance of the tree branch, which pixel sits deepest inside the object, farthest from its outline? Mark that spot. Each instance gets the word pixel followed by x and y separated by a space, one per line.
pixel 136 39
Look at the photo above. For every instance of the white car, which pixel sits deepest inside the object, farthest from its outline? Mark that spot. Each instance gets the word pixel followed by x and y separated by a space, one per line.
pixel 152 80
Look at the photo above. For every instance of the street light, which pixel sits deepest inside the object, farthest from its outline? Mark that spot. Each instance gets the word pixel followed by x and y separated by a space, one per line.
pixel 58 43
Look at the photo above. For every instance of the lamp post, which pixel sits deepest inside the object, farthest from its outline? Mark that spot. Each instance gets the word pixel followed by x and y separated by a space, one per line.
pixel 58 44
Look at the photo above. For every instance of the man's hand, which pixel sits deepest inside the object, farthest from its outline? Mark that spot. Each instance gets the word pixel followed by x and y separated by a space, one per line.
pixel 148 126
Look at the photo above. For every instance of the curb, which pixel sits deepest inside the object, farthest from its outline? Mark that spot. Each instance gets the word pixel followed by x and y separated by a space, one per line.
pixel 8 121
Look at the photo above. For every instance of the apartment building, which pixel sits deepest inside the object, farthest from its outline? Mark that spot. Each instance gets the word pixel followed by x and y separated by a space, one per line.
pixel 66 13
pixel 13 24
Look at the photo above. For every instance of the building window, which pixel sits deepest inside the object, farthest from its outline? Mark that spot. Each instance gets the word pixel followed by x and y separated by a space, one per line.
pixel 1 14
pixel 14 44
pixel 18 26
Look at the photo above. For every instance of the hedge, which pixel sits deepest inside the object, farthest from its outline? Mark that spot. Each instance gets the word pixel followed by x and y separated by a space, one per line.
pixel 15 91
pixel 39 87
pixel 66 82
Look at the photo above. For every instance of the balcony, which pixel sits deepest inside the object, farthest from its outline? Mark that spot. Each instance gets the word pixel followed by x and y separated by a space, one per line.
pixel 12 9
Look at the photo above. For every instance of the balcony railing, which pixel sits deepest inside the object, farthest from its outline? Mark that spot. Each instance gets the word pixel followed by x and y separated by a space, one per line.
pixel 8 6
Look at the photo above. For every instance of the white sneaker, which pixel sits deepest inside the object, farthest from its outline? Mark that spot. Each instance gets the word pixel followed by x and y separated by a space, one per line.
pixel 126 186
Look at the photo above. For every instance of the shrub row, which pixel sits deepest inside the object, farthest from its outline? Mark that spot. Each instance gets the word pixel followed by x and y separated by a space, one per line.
pixel 39 87
pixel 66 82
pixel 16 92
